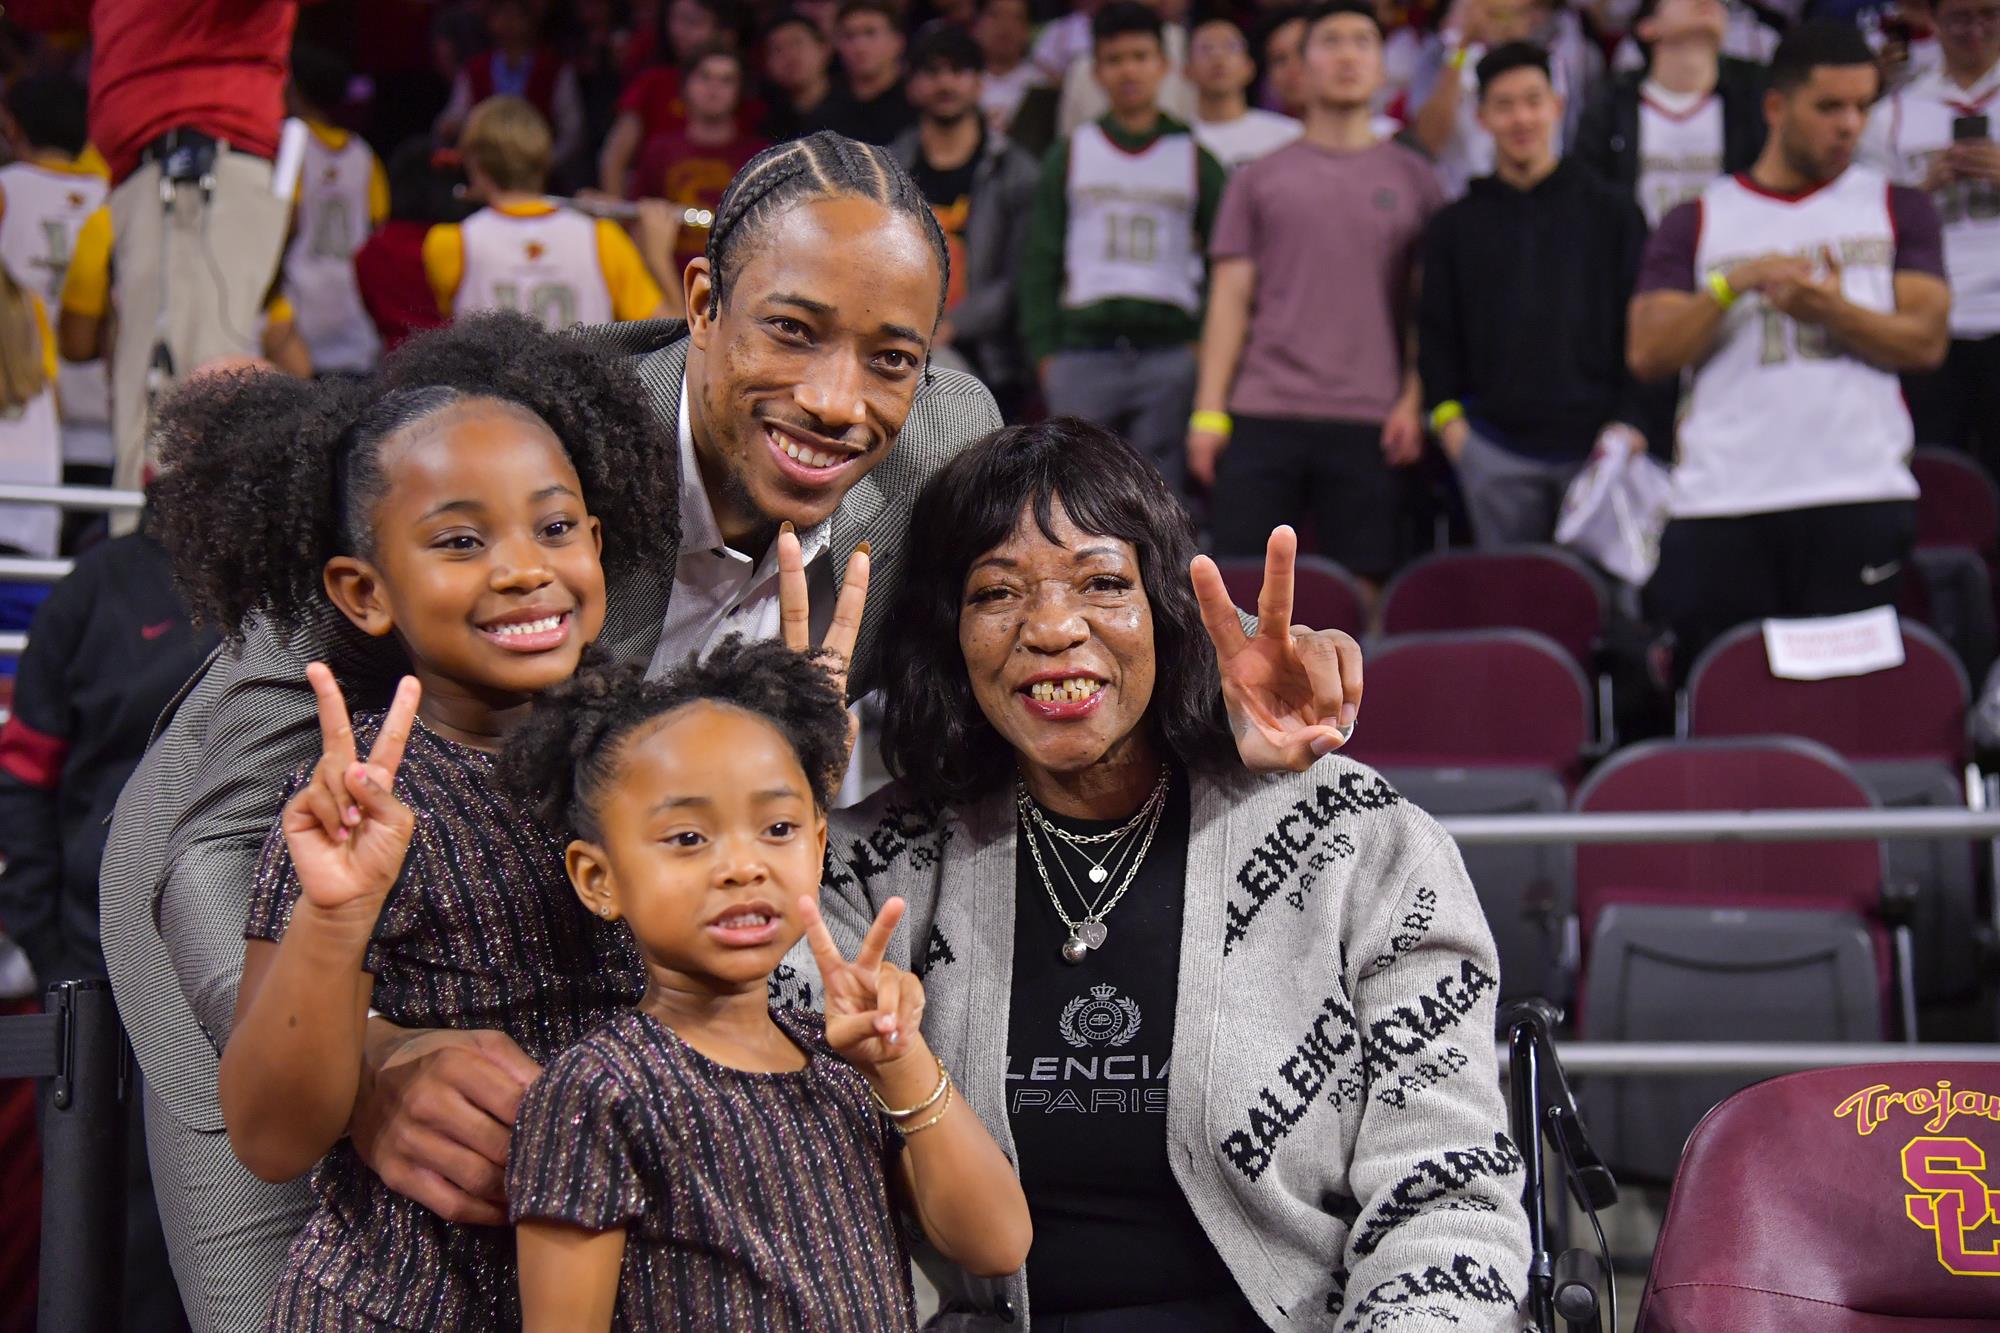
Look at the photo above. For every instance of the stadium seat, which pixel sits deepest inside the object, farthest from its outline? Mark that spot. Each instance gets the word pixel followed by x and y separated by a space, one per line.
pixel 1324 595
pixel 1904 731
pixel 1957 502
pixel 1838 1200
pixel 1951 593
pixel 1488 722
pixel 1540 588
pixel 1732 940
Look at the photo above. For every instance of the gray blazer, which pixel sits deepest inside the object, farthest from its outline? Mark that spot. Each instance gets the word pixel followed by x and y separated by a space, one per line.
pixel 186 834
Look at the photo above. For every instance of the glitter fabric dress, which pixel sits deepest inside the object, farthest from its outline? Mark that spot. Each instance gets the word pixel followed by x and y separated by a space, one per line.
pixel 756 1203
pixel 481 930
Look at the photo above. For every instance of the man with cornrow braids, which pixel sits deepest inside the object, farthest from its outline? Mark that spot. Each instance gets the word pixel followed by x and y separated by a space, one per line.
pixel 797 393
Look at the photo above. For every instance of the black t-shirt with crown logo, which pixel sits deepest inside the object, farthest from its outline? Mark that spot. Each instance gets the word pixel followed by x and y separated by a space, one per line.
pixel 1087 1070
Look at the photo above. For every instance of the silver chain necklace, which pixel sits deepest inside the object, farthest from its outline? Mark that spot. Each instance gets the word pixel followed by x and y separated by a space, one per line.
pixel 1090 932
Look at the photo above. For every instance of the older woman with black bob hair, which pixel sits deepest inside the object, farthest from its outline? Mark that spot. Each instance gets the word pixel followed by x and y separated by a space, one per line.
pixel 1235 1030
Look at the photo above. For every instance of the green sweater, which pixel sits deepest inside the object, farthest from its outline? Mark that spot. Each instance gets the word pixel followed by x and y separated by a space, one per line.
pixel 1045 324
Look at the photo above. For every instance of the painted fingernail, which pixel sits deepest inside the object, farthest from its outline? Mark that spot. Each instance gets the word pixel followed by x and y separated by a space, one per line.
pixel 353 814
pixel 1347 714
pixel 786 527
pixel 340 835
pixel 864 548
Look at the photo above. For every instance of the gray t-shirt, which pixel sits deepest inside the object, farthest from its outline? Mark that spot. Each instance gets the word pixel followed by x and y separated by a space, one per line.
pixel 1334 237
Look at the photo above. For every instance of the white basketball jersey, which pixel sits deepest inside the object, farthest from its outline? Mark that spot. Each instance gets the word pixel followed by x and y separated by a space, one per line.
pixel 1779 416
pixel 331 224
pixel 1680 152
pixel 1909 134
pixel 1131 222
pixel 45 210
pixel 545 266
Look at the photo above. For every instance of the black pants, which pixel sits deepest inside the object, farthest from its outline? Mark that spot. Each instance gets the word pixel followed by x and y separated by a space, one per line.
pixel 1223 1314
pixel 1326 474
pixel 1716 573
pixel 1958 405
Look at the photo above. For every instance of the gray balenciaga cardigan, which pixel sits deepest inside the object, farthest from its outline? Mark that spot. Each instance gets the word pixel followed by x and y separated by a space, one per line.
pixel 1334 1115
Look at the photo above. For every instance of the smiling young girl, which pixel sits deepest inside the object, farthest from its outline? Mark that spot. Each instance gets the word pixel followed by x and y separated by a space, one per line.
pixel 704 1161
pixel 468 506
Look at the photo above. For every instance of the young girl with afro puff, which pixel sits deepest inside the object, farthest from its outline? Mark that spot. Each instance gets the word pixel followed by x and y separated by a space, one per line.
pixel 466 507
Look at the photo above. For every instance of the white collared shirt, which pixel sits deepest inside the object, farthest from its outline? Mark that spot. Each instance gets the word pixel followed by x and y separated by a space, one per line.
pixel 717 589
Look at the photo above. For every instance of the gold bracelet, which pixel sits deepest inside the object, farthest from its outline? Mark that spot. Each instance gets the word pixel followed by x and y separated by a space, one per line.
pixel 918 1129
pixel 944 1082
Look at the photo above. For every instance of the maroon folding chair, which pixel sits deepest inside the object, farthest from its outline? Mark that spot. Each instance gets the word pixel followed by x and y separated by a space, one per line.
pixel 1957 502
pixel 1860 1199
pixel 1539 588
pixel 1477 699
pixel 1324 596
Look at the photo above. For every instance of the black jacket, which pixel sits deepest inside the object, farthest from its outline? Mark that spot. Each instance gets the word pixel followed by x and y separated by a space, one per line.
pixel 1607 138
pixel 1522 315
pixel 108 651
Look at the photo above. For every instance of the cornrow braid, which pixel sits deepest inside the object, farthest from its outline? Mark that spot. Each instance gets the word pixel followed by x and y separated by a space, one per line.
pixel 820 166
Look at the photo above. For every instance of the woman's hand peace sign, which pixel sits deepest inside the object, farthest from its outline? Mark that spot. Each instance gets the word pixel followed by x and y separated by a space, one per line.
pixel 346 830
pixel 874 1009
pixel 1291 694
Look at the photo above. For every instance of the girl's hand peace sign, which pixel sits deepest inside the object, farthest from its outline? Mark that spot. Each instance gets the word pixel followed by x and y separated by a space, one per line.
pixel 346 830
pixel 874 1009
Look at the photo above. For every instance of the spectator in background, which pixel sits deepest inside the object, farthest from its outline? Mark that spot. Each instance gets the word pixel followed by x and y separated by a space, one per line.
pixel 1937 134
pixel 1064 40
pixel 389 268
pixel 1225 123
pixel 343 196
pixel 200 82
pixel 1111 285
pixel 1445 89
pixel 873 105
pixel 46 194
pixel 521 252
pixel 1083 98
pixel 797 75
pixel 1662 133
pixel 1308 399
pixel 692 165
pixel 519 65
pixel 1284 44
pixel 1003 29
pixel 595 48
pixel 982 188
pixel 108 652
pixel 651 104
pixel 1521 325
pixel 1794 293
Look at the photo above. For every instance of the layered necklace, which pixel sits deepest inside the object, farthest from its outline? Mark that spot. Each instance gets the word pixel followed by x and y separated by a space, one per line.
pixel 1109 862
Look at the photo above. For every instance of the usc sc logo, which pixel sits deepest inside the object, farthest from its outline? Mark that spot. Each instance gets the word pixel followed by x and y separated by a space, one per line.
pixel 1952 1201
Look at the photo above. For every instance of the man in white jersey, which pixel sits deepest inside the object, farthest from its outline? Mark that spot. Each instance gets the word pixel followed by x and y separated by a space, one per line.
pixel 1112 278
pixel 521 252
pixel 46 193
pixel 343 195
pixel 1665 131
pixel 1794 294
pixel 1937 134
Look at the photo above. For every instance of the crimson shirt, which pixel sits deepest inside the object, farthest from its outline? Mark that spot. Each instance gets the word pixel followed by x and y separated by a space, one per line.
pixel 389 269
pixel 672 168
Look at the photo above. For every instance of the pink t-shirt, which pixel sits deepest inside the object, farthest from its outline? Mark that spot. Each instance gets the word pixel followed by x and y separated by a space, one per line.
pixel 1334 236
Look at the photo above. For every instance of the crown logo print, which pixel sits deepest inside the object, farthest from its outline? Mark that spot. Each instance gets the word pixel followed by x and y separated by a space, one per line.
pixel 1101 1018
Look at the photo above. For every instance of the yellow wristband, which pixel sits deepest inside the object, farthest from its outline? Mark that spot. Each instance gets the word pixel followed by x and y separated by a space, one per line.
pixel 1719 288
pixel 1460 56
pixel 1445 413
pixel 1212 423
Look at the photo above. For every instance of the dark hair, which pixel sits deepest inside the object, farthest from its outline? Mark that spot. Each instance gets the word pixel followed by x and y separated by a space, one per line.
pixel 886 9
pixel 1326 9
pixel 1122 18
pixel 265 478
pixel 1507 58
pixel 934 738
pixel 820 166
pixel 421 189
pixel 791 18
pixel 945 44
pixel 319 77
pixel 52 110
pixel 1815 43
pixel 713 48
pixel 563 757
pixel 663 46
